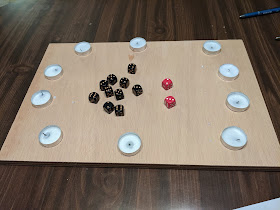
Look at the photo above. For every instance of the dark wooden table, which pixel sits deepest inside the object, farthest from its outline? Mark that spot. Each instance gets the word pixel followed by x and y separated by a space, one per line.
pixel 27 27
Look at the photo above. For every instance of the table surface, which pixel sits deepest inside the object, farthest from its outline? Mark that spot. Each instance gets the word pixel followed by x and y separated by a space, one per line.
pixel 26 29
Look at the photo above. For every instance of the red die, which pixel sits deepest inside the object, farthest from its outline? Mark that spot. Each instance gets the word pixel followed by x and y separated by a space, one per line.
pixel 169 102
pixel 167 84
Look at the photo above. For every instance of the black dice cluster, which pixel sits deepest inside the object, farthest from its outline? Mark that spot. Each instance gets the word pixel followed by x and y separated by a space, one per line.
pixel 104 85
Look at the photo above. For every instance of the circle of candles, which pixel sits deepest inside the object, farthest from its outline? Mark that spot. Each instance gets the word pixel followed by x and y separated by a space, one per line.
pixel 53 72
pixel 228 72
pixel 129 144
pixel 211 47
pixel 237 102
pixel 83 48
pixel 50 136
pixel 138 44
pixel 41 98
pixel 233 138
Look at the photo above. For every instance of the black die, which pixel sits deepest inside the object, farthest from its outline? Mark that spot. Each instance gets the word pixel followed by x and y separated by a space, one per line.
pixel 103 84
pixel 119 94
pixel 93 97
pixel 108 107
pixel 131 68
pixel 124 82
pixel 119 110
pixel 112 79
pixel 109 92
pixel 137 90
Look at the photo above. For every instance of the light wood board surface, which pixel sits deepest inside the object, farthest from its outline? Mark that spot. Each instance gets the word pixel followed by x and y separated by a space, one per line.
pixel 188 134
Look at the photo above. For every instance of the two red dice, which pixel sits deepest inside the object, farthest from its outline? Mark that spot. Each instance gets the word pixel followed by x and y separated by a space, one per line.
pixel 167 84
pixel 169 102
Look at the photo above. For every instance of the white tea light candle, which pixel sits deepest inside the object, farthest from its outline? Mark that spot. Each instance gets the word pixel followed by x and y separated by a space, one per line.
pixel 50 136
pixel 129 144
pixel 138 44
pixel 41 98
pixel 83 48
pixel 53 72
pixel 211 47
pixel 233 138
pixel 228 72
pixel 237 101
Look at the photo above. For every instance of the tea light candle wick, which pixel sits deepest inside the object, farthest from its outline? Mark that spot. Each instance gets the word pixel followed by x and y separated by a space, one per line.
pixel 48 134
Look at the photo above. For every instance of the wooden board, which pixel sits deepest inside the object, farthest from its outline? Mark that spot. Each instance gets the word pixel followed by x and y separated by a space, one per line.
pixel 188 134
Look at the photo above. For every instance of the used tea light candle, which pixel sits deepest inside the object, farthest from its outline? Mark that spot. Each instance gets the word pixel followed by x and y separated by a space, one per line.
pixel 237 102
pixel 233 138
pixel 129 144
pixel 228 72
pixel 50 136
pixel 138 44
pixel 53 72
pixel 211 47
pixel 41 98
pixel 83 48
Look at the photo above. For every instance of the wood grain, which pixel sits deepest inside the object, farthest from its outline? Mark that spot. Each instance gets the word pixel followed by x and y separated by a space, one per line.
pixel 188 134
pixel 27 27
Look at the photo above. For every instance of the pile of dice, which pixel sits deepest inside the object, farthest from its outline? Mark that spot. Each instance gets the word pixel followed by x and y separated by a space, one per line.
pixel 169 101
pixel 108 90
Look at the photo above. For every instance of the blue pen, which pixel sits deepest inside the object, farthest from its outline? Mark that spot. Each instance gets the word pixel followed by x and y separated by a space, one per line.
pixel 258 13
